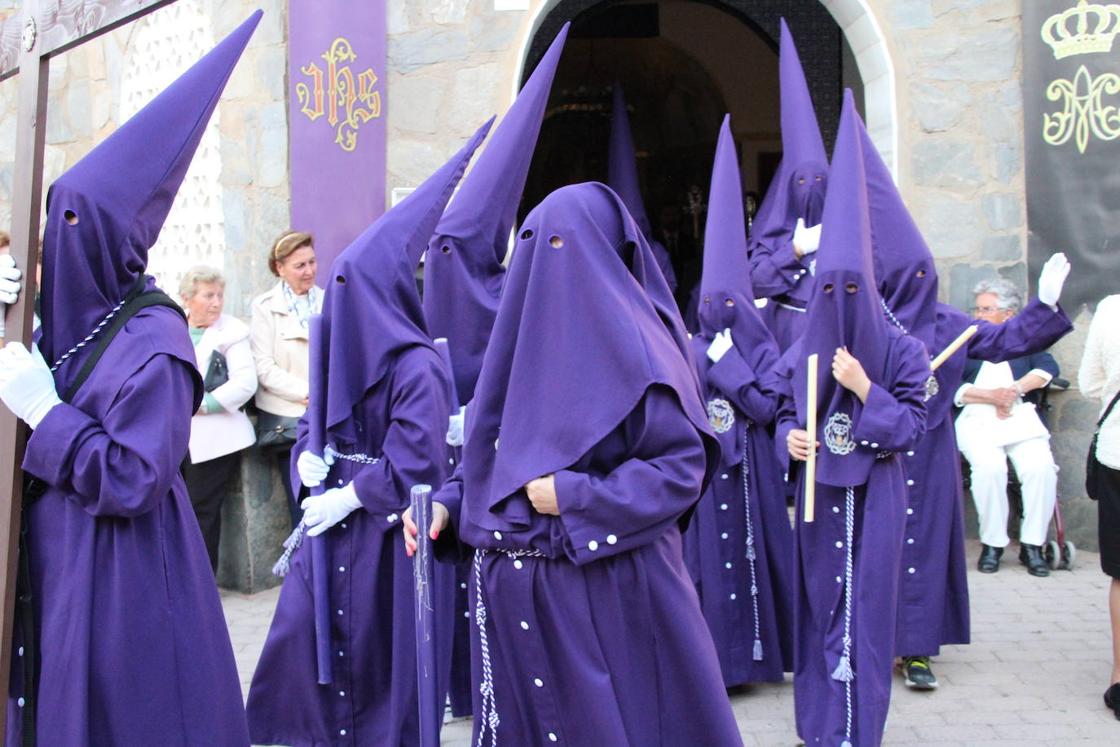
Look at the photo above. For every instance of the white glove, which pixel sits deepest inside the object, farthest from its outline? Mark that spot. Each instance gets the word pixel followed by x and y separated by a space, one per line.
pixel 807 240
pixel 721 343
pixel 455 427
pixel 9 279
pixel 1050 280
pixel 321 512
pixel 312 468
pixel 26 383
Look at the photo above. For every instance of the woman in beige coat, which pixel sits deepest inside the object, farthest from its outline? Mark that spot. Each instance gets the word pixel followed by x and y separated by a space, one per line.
pixel 278 334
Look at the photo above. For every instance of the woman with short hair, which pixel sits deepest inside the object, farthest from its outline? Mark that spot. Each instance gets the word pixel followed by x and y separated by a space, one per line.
pixel 278 337
pixel 220 429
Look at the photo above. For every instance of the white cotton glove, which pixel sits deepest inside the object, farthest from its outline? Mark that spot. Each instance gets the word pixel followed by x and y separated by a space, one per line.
pixel 9 279
pixel 321 512
pixel 807 240
pixel 312 468
pixel 721 343
pixel 1051 279
pixel 455 427
pixel 26 383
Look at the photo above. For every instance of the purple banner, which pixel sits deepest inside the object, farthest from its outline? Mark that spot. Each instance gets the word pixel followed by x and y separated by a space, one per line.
pixel 336 98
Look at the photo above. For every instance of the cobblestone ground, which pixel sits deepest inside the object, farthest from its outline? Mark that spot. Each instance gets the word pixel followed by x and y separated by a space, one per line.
pixel 1034 674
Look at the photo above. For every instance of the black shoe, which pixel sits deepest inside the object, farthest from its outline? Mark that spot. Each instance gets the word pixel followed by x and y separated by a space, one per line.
pixel 1031 557
pixel 918 675
pixel 989 559
pixel 1112 699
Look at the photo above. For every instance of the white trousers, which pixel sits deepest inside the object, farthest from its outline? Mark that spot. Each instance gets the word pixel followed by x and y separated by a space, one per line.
pixel 1038 476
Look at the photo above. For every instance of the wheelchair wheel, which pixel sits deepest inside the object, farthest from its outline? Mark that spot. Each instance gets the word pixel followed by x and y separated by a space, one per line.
pixel 1052 553
pixel 1069 555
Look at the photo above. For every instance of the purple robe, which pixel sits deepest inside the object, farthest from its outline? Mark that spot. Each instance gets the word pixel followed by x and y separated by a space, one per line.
pixel 891 421
pixel 387 396
pixel 134 646
pixel 616 416
pixel 933 598
pixel 638 667
pixel 716 540
pixel 372 699
pixel 797 191
pixel 739 544
pixel 846 560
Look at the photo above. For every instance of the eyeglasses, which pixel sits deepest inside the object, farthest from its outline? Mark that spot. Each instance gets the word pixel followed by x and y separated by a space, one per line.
pixel 985 309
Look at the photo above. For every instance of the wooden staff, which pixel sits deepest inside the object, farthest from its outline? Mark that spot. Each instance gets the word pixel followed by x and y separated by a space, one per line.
pixel 811 427
pixel 954 346
pixel 423 572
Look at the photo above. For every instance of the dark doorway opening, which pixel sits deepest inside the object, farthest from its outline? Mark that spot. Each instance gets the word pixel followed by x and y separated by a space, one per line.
pixel 682 65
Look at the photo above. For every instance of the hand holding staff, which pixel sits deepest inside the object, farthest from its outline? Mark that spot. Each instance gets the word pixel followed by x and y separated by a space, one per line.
pixel 811 427
pixel 953 347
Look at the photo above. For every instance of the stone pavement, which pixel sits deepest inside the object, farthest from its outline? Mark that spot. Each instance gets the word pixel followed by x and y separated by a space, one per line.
pixel 1034 674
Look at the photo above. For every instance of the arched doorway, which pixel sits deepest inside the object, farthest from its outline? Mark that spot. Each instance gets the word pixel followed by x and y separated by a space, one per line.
pixel 682 64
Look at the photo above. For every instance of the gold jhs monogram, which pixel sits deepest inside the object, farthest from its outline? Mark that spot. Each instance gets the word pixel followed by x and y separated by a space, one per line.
pixel 348 100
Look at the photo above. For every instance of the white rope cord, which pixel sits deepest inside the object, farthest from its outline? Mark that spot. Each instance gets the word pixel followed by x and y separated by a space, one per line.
pixel 359 458
pixel 751 554
pixel 892 317
pixel 489 716
pixel 844 672
pixel 89 338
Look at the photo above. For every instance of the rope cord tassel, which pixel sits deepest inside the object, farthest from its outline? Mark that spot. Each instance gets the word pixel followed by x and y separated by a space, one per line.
pixel 756 654
pixel 291 544
pixel 844 672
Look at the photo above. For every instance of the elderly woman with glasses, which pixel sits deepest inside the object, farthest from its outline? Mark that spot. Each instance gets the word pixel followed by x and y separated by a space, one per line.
pixel 220 429
pixel 997 423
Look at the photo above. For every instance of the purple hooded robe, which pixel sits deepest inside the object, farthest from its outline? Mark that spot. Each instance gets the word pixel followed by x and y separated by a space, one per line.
pixel 387 400
pixel 134 646
pixel 587 628
pixel 739 544
pixel 846 561
pixel 463 275
pixel 797 191
pixel 622 177
pixel 933 587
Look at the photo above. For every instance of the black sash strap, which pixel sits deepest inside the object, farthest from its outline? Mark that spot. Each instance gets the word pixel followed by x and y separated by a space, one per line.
pixel 33 488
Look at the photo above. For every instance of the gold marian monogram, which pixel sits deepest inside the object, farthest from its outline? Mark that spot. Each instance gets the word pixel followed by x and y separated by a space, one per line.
pixel 348 100
pixel 1083 112
pixel 1083 29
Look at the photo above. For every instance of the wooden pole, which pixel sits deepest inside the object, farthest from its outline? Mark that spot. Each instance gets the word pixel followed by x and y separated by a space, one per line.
pixel 27 188
pixel 953 347
pixel 810 498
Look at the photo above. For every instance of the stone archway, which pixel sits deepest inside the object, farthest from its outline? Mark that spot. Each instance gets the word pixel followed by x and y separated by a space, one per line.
pixel 856 21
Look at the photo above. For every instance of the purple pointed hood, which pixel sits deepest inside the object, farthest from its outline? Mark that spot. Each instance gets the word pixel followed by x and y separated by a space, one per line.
pixel 845 311
pixel 798 188
pixel 586 325
pixel 622 170
pixel 372 310
pixel 106 211
pixel 904 266
pixel 726 296
pixel 463 271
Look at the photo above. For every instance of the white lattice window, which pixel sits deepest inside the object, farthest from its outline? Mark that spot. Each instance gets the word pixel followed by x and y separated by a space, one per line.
pixel 162 47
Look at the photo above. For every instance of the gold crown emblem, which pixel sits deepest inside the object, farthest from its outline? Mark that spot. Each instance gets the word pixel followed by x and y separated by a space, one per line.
pixel 1084 29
